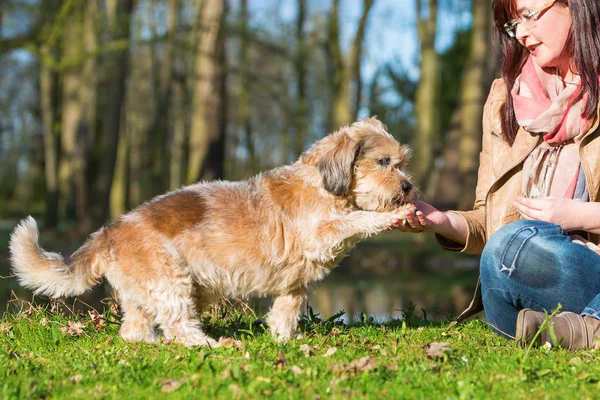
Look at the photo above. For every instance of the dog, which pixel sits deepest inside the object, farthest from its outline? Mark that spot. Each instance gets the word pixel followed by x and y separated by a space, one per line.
pixel 273 234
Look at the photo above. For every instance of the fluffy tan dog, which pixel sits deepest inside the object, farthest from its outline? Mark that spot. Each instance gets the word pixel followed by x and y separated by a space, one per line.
pixel 273 234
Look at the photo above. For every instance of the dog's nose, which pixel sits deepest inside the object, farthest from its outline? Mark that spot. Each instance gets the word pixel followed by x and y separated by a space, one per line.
pixel 406 186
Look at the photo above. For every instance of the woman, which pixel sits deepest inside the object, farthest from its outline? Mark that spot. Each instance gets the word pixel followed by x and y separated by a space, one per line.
pixel 536 218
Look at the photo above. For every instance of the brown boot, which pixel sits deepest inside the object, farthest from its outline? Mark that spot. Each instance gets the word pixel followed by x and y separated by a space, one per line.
pixel 572 331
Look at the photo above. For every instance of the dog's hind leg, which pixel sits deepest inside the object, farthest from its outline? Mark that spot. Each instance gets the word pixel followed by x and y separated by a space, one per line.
pixel 176 312
pixel 283 316
pixel 137 324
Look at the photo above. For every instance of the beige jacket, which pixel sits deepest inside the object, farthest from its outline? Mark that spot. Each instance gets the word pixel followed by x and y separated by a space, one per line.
pixel 500 176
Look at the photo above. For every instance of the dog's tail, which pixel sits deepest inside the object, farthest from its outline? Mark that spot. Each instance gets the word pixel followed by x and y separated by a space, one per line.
pixel 47 272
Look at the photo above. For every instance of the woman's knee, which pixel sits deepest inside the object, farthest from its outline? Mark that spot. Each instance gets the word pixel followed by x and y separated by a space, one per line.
pixel 520 246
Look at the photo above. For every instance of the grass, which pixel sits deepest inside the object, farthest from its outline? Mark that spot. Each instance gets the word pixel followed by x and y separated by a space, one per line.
pixel 39 358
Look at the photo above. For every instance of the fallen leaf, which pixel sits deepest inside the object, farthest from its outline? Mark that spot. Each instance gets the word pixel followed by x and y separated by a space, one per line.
pixel 575 361
pixel 296 370
pixel 437 349
pixel 72 328
pixel 169 385
pixel 280 362
pixel 366 363
pixel 307 349
pixel 97 319
pixel 330 351
pixel 226 342
pixel 363 364
pixel 237 392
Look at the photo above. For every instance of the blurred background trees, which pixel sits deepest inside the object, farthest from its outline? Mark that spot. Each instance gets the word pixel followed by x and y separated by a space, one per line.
pixel 106 103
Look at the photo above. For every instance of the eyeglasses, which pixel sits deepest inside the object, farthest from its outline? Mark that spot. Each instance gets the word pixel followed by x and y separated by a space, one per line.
pixel 528 20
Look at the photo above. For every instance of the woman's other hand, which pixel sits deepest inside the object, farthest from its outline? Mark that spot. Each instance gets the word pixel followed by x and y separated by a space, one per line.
pixel 568 213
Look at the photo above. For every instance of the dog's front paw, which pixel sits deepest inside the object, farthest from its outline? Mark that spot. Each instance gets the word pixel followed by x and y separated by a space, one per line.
pixel 385 220
pixel 410 207
pixel 282 337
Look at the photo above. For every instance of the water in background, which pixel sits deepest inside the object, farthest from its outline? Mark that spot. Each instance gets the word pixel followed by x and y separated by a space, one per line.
pixel 379 279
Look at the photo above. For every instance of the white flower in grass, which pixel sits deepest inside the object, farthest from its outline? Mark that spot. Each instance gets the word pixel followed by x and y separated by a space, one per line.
pixel 547 346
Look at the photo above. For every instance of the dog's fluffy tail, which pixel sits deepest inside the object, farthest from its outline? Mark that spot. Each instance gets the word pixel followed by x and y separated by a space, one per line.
pixel 47 272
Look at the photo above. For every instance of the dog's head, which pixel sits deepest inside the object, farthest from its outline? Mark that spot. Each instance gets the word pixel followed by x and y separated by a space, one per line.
pixel 364 162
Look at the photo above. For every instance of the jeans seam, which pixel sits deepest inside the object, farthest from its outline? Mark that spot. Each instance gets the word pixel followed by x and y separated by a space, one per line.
pixel 511 269
pixel 512 293
pixel 591 312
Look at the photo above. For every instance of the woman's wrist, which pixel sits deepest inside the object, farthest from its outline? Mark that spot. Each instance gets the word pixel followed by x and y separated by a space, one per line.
pixel 454 228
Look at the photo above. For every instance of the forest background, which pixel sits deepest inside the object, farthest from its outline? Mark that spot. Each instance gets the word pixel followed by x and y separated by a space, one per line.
pixel 107 103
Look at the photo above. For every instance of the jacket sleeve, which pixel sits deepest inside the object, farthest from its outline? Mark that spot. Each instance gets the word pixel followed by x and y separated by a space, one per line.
pixel 475 219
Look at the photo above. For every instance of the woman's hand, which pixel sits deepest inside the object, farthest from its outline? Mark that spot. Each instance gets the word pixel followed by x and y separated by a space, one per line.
pixel 567 213
pixel 426 218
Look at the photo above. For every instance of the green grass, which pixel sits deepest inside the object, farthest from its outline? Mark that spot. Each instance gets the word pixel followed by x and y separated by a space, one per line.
pixel 37 360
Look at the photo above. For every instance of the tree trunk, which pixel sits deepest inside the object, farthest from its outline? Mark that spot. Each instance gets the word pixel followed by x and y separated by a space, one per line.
pixel 179 129
pixel 356 56
pixel 339 114
pixel 118 191
pixel 426 99
pixel 49 111
pixel 79 112
pixel 301 123
pixel 207 137
pixel 476 82
pixel 458 173
pixel 345 72
pixel 244 108
pixel 119 15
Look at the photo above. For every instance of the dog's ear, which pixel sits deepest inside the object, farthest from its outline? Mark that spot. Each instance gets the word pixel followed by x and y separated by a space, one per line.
pixel 336 164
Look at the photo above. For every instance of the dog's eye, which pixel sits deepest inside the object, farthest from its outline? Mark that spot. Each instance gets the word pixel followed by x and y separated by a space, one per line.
pixel 384 162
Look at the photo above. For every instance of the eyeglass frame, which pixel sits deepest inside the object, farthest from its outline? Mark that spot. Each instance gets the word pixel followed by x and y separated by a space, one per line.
pixel 511 26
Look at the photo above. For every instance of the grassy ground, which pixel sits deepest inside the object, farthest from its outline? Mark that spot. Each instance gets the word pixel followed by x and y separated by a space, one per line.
pixel 48 352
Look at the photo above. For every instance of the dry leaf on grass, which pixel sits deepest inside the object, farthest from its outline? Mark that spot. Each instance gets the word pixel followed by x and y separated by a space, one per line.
pixel 169 385
pixel 437 349
pixel 366 363
pixel 296 370
pixel 280 362
pixel 308 350
pixel 330 351
pixel 73 328
pixel 226 342
pixel 97 319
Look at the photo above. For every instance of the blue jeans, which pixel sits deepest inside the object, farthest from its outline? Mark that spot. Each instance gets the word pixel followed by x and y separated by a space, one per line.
pixel 534 264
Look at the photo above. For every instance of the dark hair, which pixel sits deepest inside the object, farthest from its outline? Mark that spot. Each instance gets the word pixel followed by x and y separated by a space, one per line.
pixel 584 39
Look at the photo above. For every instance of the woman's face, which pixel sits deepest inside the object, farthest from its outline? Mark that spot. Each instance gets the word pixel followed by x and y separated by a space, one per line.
pixel 547 38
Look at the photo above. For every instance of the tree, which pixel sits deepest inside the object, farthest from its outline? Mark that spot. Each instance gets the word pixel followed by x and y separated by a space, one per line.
pixel 78 110
pixel 117 62
pixel 345 71
pixel 207 137
pixel 426 99
pixel 458 174
pixel 300 62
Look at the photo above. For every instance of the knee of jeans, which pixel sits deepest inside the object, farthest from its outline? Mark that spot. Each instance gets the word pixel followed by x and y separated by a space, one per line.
pixel 518 248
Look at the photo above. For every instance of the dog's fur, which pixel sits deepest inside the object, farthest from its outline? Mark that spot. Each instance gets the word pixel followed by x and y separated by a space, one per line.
pixel 273 234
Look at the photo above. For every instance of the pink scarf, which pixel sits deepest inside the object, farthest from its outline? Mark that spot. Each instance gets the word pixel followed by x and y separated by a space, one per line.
pixel 543 104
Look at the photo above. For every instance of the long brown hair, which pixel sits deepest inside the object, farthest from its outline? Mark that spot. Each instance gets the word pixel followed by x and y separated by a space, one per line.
pixel 584 40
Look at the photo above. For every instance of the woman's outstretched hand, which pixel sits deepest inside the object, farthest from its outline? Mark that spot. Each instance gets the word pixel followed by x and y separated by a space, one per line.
pixel 426 218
